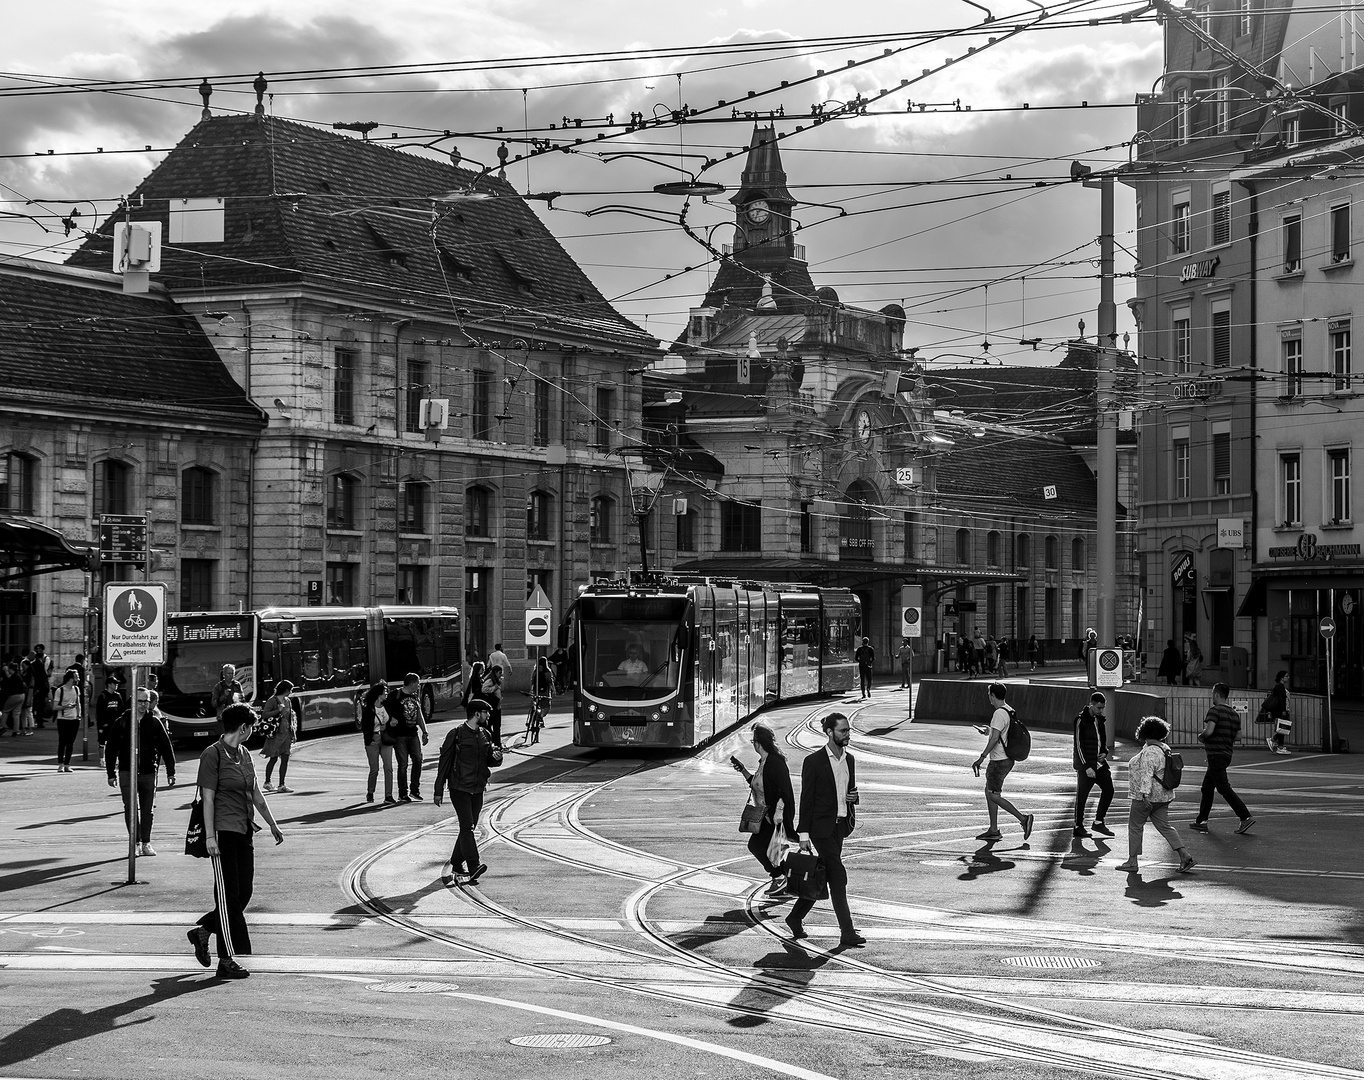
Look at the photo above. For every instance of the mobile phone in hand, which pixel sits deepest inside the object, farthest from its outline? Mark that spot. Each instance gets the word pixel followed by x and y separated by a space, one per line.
pixel 736 763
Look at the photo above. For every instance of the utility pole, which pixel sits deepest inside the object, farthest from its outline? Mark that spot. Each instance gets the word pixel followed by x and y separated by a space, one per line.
pixel 1106 518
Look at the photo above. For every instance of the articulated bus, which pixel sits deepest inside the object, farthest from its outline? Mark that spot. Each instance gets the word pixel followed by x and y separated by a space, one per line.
pixel 330 654
pixel 674 663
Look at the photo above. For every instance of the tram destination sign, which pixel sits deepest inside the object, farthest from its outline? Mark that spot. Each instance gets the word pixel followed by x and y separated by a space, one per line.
pixel 1308 550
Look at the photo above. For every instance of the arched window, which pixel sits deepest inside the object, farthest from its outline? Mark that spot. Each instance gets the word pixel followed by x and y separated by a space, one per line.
pixel 341 492
pixel 1024 551
pixel 855 540
pixel 992 548
pixel 17 483
pixel 1077 554
pixel 413 502
pixel 599 522
pixel 964 546
pixel 1052 556
pixel 198 498
pixel 478 507
pixel 113 480
pixel 539 513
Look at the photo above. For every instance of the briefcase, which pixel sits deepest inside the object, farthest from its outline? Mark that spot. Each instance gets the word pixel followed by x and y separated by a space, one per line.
pixel 805 877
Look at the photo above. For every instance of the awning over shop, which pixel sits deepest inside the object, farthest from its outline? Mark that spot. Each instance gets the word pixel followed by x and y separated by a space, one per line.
pixel 1316 575
pixel 28 549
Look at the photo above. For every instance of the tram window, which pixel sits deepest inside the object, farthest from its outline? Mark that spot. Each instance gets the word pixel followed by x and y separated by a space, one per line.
pixel 632 659
pixel 838 637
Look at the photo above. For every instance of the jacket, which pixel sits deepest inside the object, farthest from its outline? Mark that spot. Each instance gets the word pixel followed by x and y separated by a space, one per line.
pixel 819 795
pixel 1142 770
pixel 1091 741
pixel 467 758
pixel 776 783
pixel 152 743
pixel 1276 702
pixel 1171 663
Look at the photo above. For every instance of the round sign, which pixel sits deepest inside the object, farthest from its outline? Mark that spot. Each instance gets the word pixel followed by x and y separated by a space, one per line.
pixel 537 625
pixel 1328 627
pixel 1110 659
pixel 911 616
pixel 135 610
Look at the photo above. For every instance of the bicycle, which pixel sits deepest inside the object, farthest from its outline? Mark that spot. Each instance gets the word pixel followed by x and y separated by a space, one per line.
pixel 535 718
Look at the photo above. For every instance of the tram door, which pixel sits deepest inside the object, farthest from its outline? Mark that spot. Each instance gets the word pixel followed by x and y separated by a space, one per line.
pixel 726 655
pixel 744 665
pixel 704 649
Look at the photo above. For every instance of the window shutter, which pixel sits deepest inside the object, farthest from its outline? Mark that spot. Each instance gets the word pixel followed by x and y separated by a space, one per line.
pixel 1221 338
pixel 1221 217
pixel 1340 233
pixel 1221 454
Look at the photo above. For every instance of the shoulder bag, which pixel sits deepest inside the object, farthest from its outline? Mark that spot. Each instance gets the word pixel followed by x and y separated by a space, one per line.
pixel 196 840
pixel 751 820
pixel 806 877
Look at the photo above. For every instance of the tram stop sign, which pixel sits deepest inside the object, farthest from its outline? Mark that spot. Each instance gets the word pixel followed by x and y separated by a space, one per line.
pixel 134 623
pixel 539 618
pixel 1328 628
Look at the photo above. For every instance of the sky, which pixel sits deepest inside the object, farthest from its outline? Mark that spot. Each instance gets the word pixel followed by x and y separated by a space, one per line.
pixel 934 205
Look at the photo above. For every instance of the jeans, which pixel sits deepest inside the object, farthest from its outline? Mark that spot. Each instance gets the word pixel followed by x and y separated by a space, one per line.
pixel 1158 814
pixel 830 850
pixel 234 873
pixel 1103 779
pixel 12 711
pixel 375 750
pixel 864 678
pixel 467 806
pixel 146 793
pixel 1215 780
pixel 906 675
pixel 408 748
pixel 67 730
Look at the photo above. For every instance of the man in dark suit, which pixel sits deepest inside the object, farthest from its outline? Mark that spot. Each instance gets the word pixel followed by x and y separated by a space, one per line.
pixel 828 793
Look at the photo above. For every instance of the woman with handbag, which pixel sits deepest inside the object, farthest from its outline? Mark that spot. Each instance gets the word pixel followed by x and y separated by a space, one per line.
pixel 1275 711
pixel 377 746
pixel 279 712
pixel 230 799
pixel 769 785
pixel 66 702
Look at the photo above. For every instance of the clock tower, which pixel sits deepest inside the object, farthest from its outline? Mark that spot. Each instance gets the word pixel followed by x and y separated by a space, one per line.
pixel 764 236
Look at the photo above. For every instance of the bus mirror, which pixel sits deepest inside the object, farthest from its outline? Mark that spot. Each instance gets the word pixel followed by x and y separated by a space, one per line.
pixel 563 636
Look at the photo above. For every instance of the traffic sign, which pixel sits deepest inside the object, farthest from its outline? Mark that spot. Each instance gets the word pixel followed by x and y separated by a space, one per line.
pixel 122 538
pixel 911 611
pixel 539 618
pixel 1328 628
pixel 134 623
pixel 1107 670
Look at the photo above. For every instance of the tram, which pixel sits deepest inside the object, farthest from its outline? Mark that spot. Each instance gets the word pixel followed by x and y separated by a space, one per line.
pixel 330 654
pixel 671 663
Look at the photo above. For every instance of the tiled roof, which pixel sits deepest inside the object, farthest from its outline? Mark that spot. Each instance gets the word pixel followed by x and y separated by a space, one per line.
pixel 1050 399
pixel 1001 473
pixel 310 206
pixel 76 335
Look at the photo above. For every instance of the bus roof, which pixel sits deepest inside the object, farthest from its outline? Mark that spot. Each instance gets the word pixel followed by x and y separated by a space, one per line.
pixel 294 613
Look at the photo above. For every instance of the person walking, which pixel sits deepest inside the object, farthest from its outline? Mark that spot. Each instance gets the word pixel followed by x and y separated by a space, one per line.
pixel 906 658
pixel 227 691
pixel 1220 728
pixel 1171 663
pixel 473 688
pixel 866 659
pixel 492 694
pixel 278 711
pixel 1004 658
pixel 1090 759
pixel 66 704
pixel 499 660
pixel 13 692
pixel 1276 706
pixel 1150 798
pixel 231 798
pixel 40 683
pixel 376 749
pixel 999 767
pixel 770 784
pixel 467 758
pixel 406 726
pixel 1193 664
pixel 109 706
pixel 1034 652
pixel 153 749
pixel 828 797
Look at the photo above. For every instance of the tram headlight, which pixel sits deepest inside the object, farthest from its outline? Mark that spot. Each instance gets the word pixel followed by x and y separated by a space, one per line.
pixel 663 708
pixel 591 709
pixel 654 717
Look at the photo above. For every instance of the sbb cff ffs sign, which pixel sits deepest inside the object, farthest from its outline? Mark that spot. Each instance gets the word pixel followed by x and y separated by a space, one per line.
pixel 912 611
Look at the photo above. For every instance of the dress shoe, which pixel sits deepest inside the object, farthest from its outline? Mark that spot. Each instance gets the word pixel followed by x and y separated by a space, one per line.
pixel 852 941
pixel 797 930
pixel 230 969
pixel 198 937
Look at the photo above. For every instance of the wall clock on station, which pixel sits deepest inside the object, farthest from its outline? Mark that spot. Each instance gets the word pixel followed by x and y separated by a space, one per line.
pixel 757 212
pixel 863 426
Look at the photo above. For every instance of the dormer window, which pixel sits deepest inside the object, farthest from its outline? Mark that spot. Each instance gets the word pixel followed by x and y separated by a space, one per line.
pixel 392 255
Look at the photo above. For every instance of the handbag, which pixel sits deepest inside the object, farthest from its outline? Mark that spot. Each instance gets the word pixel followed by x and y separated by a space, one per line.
pixel 776 848
pixel 805 876
pixel 751 820
pixel 196 842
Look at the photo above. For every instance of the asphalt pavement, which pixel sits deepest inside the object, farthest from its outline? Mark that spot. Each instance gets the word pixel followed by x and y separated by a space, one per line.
pixel 621 930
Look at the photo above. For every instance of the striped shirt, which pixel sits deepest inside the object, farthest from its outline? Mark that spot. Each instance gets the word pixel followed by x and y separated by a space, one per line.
pixel 1226 723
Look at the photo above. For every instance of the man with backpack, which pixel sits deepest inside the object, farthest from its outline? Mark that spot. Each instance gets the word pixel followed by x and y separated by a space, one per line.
pixel 1218 737
pixel 1007 741
pixel 1090 758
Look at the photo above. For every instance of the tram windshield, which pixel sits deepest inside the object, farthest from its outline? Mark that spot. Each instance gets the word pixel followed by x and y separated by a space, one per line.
pixel 632 647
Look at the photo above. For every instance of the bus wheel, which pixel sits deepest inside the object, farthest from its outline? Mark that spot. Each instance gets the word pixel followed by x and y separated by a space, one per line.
pixel 429 703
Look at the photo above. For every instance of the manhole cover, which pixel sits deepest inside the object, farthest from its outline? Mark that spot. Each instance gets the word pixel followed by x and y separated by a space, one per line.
pixel 1051 962
pixel 559 1042
pixel 412 987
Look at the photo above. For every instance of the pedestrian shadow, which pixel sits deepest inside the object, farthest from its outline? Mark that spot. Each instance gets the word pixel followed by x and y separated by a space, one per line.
pixel 45 871
pixel 726 924
pixel 341 813
pixel 984 861
pixel 1158 892
pixel 1080 860
pixel 70 821
pixel 61 1027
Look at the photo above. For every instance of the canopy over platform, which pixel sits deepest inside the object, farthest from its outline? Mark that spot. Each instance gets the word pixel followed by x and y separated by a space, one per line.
pixel 28 549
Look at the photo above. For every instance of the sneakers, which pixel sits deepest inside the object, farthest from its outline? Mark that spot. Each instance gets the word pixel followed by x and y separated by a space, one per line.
pixel 389 800
pixel 282 790
pixel 403 798
pixel 267 786
pixel 1245 825
pixel 1080 832
pixel 1102 829
pixel 1199 826
pixel 990 834
pixel 1269 742
pixel 146 849
pixel 463 879
pixel 778 885
pixel 477 873
pixel 198 937
pixel 230 969
pixel 417 795
pixel 1278 750
pixel 1027 825
pixel 1128 867
pixel 852 941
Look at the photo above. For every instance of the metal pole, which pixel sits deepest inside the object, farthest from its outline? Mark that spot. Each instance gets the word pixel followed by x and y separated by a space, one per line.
pixel 643 522
pixel 132 779
pixel 1107 459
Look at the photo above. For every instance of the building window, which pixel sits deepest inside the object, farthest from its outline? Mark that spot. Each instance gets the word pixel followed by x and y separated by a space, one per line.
pixel 1179 225
pixel 1024 551
pixel 741 526
pixel 599 523
pixel 1243 13
pixel 1340 233
pixel 1023 612
pixel 601 422
pixel 686 530
pixel 197 496
pixel 1221 216
pixel 1180 485
pixel 1341 361
pixel 992 610
pixel 1077 555
pixel 540 579
pixel 1182 117
pixel 807 528
pixel 1051 556
pixel 1292 366
pixel 341 584
pixel 1221 104
pixel 412 500
pixel 1203 17
pixel 1221 335
pixel 992 548
pixel 1292 130
pixel 539 509
pixel 481 408
pixel 1338 467
pixel 1290 472
pixel 113 480
pixel 412 585
pixel 1292 244
pixel 911 545
pixel 1183 341
pixel 17 484
pixel 1221 463
pixel 416 388
pixel 343 386
pixel 963 547
pixel 1077 612
pixel 542 388
pixel 478 512
pixel 196 584
pixel 1340 110
pixel 341 501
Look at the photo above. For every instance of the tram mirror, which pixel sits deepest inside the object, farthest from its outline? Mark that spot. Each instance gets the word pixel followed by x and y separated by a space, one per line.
pixel 562 639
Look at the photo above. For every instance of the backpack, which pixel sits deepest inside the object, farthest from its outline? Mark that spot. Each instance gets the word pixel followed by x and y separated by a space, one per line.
pixel 1170 776
pixel 1017 739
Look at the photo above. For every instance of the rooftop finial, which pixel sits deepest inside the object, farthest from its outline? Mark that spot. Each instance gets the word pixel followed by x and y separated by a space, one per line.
pixel 205 92
pixel 260 86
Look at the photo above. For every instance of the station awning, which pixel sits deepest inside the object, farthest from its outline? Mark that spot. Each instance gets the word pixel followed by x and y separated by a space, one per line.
pixel 28 549
pixel 851 572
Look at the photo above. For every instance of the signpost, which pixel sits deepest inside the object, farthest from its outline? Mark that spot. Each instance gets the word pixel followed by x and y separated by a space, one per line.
pixel 1328 735
pixel 911 626
pixel 539 629
pixel 1106 668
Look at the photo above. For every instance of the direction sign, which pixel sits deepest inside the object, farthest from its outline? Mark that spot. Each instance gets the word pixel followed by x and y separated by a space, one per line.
pixel 1328 627
pixel 134 623
pixel 122 538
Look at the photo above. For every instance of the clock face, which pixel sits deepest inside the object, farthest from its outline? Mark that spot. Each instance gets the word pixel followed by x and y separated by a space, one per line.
pixel 757 211
pixel 864 426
